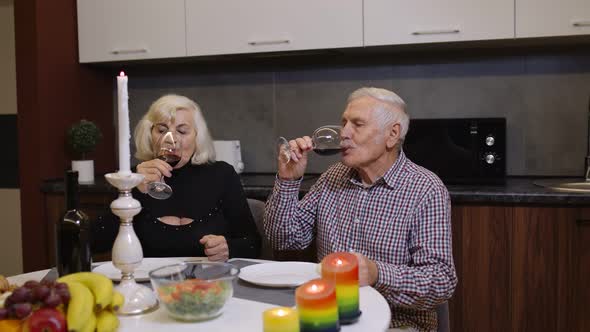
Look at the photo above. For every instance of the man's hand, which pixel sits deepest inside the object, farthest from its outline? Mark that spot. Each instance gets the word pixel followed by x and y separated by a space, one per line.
pixel 367 270
pixel 216 247
pixel 295 168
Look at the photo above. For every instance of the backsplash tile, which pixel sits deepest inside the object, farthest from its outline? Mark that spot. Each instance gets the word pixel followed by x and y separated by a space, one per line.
pixel 544 98
pixel 556 125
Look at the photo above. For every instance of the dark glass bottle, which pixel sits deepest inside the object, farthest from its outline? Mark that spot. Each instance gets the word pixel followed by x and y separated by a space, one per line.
pixel 73 232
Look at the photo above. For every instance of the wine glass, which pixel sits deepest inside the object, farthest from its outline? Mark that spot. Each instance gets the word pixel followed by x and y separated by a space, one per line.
pixel 325 142
pixel 168 148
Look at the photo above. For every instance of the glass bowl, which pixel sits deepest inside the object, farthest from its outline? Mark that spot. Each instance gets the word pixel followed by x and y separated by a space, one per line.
pixel 194 291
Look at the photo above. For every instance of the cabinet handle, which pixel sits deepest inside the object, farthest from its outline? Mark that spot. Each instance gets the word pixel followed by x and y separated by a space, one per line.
pixel 269 42
pixel 436 32
pixel 129 51
pixel 581 24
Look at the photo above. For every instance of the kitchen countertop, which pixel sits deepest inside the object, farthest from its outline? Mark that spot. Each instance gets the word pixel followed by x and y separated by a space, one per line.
pixel 516 190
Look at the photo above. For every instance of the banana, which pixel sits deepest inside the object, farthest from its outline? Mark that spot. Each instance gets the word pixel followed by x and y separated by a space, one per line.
pixel 90 324
pixel 80 306
pixel 106 321
pixel 117 302
pixel 101 286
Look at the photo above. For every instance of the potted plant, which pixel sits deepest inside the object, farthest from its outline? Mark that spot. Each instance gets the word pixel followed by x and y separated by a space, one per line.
pixel 82 139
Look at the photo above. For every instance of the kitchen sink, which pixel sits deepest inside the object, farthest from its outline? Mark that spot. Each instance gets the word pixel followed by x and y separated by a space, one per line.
pixel 572 185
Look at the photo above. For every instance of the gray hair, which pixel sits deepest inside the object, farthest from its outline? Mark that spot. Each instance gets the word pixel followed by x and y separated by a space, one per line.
pixel 391 108
pixel 164 110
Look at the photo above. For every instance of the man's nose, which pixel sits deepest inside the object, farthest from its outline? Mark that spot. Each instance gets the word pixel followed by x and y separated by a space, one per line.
pixel 345 132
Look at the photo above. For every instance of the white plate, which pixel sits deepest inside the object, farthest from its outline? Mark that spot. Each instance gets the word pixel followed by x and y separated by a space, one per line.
pixel 280 274
pixel 141 273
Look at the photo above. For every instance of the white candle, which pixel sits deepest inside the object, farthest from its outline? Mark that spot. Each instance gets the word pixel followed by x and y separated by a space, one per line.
pixel 123 113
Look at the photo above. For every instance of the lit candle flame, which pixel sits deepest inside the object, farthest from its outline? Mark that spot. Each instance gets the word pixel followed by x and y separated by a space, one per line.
pixel 315 288
pixel 122 73
pixel 281 312
pixel 338 261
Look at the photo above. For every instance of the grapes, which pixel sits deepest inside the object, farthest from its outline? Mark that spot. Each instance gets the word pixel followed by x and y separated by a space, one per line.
pixel 32 295
pixel 52 301
pixel 19 295
pixel 40 293
pixel 48 283
pixel 8 302
pixel 3 313
pixel 64 294
pixel 61 285
pixel 27 295
pixel 22 310
pixel 31 284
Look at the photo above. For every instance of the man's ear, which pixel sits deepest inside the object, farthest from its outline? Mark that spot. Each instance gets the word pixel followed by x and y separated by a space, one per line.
pixel 393 133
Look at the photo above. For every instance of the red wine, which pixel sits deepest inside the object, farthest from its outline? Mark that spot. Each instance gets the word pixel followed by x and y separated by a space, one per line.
pixel 327 152
pixel 171 159
pixel 73 233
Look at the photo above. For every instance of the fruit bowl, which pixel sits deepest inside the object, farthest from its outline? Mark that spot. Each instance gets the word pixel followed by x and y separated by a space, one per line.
pixel 194 291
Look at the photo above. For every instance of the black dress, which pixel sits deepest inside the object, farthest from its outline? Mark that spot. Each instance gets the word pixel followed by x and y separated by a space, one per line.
pixel 210 194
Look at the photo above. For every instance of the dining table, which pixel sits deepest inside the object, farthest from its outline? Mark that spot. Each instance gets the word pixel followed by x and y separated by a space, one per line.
pixel 243 311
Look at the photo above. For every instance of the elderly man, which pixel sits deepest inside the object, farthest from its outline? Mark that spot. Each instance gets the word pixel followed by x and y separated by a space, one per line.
pixel 393 214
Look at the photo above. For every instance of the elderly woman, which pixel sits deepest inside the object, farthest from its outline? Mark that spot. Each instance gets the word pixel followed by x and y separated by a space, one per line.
pixel 207 214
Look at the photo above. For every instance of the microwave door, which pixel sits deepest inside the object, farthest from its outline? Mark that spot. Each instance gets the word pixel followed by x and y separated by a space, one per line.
pixel 461 147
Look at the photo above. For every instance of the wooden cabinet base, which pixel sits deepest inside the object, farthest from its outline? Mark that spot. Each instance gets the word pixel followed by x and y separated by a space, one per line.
pixel 521 268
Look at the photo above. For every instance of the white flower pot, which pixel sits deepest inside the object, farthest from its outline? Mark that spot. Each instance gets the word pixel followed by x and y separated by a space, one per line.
pixel 85 170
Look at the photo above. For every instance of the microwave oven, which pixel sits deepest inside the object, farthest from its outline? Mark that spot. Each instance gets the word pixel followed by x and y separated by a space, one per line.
pixel 460 150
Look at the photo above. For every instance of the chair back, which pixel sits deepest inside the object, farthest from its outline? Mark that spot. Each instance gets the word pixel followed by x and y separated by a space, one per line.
pixel 257 209
pixel 442 317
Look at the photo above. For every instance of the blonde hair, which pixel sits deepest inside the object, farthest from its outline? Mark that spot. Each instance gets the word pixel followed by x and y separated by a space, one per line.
pixel 164 110
pixel 391 108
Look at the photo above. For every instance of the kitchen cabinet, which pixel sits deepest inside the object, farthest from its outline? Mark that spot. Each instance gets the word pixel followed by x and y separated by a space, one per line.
pixel 539 18
pixel 229 27
pixel 581 272
pixel 481 250
pixel 388 22
pixel 521 268
pixel 114 30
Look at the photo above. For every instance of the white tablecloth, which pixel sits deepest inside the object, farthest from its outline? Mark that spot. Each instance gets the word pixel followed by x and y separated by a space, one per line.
pixel 240 315
pixel 243 315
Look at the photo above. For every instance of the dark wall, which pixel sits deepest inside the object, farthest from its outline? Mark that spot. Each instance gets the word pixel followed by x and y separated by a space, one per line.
pixel 53 91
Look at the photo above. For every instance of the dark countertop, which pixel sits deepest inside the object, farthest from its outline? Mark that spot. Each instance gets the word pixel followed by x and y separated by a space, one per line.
pixel 516 190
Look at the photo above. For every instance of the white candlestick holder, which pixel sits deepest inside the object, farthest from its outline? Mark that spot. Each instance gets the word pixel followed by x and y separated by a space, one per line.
pixel 127 253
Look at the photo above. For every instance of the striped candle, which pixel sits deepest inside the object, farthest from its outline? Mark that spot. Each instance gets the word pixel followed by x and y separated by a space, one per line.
pixel 342 268
pixel 317 306
pixel 280 319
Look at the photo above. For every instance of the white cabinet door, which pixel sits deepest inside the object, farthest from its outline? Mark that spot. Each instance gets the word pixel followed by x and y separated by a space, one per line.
pixel 425 21
pixel 236 26
pixel 537 18
pixel 111 30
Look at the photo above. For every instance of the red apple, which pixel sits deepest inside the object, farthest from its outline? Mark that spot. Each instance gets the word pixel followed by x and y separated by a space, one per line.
pixel 46 320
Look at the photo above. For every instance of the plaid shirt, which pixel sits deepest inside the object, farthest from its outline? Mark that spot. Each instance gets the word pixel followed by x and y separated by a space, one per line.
pixel 401 222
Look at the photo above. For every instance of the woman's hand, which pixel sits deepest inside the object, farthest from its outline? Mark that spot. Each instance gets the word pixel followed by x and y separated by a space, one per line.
pixel 216 247
pixel 152 170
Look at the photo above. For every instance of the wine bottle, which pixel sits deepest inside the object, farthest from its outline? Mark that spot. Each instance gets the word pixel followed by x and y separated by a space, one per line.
pixel 73 232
